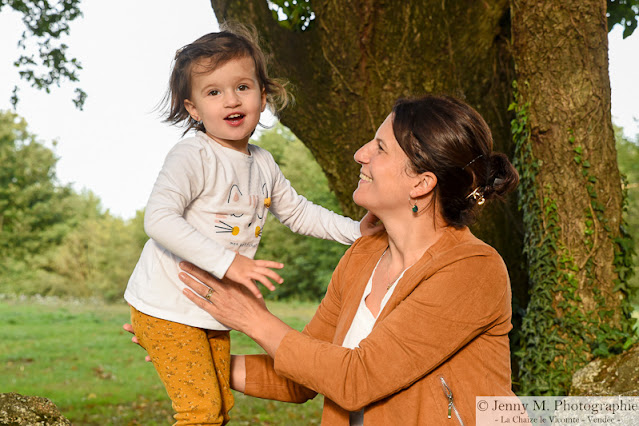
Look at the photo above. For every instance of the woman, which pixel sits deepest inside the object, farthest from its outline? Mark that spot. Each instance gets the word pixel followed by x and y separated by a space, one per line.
pixel 415 321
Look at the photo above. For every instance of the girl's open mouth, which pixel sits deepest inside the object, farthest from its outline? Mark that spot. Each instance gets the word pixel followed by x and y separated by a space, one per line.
pixel 234 119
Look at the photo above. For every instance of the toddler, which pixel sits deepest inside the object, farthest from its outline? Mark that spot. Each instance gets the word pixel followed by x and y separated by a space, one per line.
pixel 208 206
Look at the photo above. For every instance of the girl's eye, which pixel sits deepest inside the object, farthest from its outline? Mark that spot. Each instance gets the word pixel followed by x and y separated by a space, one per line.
pixel 242 87
pixel 214 92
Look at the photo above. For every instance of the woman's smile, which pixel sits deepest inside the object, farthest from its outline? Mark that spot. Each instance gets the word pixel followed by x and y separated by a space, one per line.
pixel 365 178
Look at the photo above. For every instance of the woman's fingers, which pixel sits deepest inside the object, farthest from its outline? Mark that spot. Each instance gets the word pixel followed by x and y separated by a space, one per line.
pixel 196 285
pixel 202 303
pixel 198 273
pixel 128 327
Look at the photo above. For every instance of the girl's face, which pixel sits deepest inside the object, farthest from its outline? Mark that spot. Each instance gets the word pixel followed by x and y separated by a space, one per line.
pixel 385 183
pixel 228 100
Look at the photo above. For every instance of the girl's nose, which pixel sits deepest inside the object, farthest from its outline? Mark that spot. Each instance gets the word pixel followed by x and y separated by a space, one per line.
pixel 232 99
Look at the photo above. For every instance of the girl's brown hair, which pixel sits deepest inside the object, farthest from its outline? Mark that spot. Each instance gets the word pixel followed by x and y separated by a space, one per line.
pixel 212 51
pixel 447 137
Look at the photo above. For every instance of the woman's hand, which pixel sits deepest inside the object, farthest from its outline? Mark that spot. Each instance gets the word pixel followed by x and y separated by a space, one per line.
pixel 370 224
pixel 128 327
pixel 234 306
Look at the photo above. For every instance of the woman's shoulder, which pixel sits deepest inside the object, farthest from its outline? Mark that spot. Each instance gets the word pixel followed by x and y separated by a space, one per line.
pixel 462 243
pixel 370 244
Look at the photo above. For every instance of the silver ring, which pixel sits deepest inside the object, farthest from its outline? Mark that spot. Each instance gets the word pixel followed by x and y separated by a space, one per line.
pixel 208 294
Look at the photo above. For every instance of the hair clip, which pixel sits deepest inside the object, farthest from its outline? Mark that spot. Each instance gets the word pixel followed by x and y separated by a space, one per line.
pixel 473 160
pixel 477 195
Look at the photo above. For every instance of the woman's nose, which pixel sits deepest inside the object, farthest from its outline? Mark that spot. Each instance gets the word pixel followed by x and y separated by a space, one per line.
pixel 361 155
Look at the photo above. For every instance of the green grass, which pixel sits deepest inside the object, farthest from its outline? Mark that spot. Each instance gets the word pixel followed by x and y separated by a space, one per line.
pixel 77 355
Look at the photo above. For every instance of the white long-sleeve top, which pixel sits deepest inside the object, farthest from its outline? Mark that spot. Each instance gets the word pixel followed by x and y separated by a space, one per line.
pixel 208 203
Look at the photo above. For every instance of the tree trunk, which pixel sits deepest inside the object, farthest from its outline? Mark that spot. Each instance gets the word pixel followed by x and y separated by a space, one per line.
pixel 357 57
pixel 572 203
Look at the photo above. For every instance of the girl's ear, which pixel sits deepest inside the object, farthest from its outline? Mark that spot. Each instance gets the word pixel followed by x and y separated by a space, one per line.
pixel 190 107
pixel 424 185
pixel 263 100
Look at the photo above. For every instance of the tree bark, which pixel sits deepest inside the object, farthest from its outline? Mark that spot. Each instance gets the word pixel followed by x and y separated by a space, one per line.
pixel 357 57
pixel 560 51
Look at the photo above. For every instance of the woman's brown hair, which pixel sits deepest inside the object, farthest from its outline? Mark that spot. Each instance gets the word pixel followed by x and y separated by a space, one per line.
pixel 445 136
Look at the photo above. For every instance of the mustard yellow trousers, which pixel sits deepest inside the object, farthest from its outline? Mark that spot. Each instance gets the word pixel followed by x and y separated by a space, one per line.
pixel 194 364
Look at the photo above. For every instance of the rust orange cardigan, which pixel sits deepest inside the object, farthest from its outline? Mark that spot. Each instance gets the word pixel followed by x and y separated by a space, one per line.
pixel 441 340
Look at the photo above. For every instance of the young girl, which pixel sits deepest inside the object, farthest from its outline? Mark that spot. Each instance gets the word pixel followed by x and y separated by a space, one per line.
pixel 209 206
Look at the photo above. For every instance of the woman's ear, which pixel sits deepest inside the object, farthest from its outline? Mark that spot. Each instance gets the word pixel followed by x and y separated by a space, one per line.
pixel 424 185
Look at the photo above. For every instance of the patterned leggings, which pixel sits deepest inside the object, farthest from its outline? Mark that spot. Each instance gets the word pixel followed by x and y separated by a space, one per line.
pixel 194 365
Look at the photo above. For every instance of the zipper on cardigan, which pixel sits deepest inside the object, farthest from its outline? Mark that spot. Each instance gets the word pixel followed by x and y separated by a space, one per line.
pixel 451 402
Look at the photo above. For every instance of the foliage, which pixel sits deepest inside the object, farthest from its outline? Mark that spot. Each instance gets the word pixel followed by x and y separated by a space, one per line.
pixel 295 15
pixel 308 262
pixel 55 241
pixel 45 23
pixel 623 12
pixel 33 207
pixel 556 337
pixel 628 159
pixel 77 355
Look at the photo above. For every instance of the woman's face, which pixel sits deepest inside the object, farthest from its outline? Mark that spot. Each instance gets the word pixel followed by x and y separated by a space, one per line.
pixel 384 183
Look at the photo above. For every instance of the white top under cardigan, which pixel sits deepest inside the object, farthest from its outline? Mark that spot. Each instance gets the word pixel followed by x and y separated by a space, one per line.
pixel 208 203
pixel 362 326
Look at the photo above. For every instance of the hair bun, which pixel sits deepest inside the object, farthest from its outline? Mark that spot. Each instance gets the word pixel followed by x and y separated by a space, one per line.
pixel 503 176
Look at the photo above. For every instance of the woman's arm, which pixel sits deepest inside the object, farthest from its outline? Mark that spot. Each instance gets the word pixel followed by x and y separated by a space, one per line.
pixel 238 373
pixel 235 307
pixel 432 323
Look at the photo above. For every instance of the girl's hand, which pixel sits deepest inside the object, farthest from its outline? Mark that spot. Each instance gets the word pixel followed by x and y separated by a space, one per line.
pixel 234 306
pixel 128 327
pixel 247 272
pixel 370 224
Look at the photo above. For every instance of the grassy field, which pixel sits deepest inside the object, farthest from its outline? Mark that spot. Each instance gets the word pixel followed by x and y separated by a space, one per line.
pixel 76 354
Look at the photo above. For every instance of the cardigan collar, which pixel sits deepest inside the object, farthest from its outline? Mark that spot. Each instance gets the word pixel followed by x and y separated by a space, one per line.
pixel 371 249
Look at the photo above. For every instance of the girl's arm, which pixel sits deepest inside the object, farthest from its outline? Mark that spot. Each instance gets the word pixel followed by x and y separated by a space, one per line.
pixel 306 218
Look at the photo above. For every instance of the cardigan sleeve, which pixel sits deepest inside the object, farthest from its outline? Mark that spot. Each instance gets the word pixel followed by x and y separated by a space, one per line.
pixel 306 218
pixel 181 181
pixel 440 316
pixel 261 378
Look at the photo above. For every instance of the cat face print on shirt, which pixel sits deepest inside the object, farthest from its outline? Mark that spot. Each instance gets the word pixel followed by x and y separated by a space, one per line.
pixel 247 216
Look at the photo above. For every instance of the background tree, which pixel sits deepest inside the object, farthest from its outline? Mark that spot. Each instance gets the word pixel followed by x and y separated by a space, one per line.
pixel 46 23
pixel 350 60
pixel 628 157
pixel 573 202
pixel 308 262
pixel 34 208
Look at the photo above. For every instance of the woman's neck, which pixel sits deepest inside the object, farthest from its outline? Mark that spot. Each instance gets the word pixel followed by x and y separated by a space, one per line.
pixel 409 239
